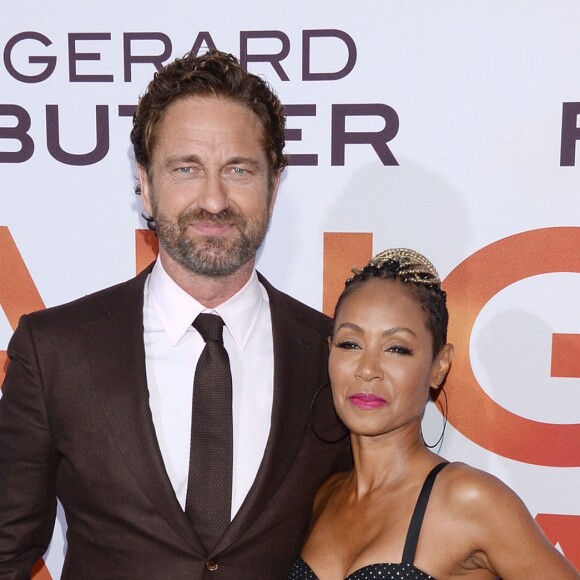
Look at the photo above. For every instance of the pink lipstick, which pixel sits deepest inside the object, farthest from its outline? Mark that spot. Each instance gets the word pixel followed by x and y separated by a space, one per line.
pixel 367 401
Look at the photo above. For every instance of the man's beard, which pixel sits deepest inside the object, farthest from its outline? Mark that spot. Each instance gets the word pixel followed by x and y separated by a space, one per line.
pixel 212 256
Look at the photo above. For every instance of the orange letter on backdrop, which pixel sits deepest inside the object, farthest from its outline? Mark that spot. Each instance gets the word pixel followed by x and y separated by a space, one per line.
pixel 563 530
pixel 146 248
pixel 565 355
pixel 18 296
pixel 18 293
pixel 471 285
pixel 342 252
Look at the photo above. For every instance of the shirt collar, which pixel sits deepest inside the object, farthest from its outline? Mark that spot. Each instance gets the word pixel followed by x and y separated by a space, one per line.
pixel 176 309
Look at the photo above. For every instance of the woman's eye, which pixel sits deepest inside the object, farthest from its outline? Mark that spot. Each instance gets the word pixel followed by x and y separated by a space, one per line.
pixel 399 349
pixel 347 344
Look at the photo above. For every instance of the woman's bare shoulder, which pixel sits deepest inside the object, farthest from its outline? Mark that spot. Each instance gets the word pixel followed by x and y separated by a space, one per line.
pixel 470 488
pixel 492 522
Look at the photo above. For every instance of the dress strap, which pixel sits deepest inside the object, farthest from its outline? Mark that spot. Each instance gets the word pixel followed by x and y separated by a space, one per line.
pixel 418 514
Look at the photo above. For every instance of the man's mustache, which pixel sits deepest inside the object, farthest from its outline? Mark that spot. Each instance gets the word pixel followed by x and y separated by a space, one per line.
pixel 198 215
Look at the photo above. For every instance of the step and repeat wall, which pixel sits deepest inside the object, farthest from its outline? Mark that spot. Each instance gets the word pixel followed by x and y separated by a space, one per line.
pixel 449 127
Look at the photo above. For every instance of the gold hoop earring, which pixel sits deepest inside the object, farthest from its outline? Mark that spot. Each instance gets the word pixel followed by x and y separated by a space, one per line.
pixel 444 412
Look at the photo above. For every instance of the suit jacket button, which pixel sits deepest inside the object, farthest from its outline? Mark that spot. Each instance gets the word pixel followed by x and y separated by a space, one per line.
pixel 212 566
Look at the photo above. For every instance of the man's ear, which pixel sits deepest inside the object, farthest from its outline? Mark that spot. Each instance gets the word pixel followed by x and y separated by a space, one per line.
pixel 145 188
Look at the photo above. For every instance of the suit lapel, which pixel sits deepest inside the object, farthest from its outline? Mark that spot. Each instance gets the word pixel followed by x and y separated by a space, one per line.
pixel 117 358
pixel 297 354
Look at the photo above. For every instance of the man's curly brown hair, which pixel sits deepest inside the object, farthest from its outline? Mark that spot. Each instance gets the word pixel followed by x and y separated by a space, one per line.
pixel 213 74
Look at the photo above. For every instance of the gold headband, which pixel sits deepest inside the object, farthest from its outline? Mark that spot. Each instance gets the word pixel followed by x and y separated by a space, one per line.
pixel 411 266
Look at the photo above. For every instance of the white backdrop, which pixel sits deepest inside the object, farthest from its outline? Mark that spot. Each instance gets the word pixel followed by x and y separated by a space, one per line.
pixel 472 110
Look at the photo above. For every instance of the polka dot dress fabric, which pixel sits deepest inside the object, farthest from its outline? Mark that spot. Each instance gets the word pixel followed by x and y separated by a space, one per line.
pixel 301 571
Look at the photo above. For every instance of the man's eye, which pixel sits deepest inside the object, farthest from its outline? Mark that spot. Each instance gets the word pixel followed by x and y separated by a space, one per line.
pixel 239 170
pixel 185 170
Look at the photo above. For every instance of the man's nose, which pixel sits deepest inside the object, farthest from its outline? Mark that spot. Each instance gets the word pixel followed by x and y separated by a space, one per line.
pixel 213 196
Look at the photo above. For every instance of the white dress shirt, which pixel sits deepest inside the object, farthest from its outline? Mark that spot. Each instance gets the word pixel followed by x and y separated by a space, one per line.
pixel 172 349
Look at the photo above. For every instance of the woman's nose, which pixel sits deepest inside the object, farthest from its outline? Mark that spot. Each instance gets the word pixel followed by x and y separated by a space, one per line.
pixel 369 366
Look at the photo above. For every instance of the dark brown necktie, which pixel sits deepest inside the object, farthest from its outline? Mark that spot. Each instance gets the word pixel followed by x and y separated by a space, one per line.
pixel 209 488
